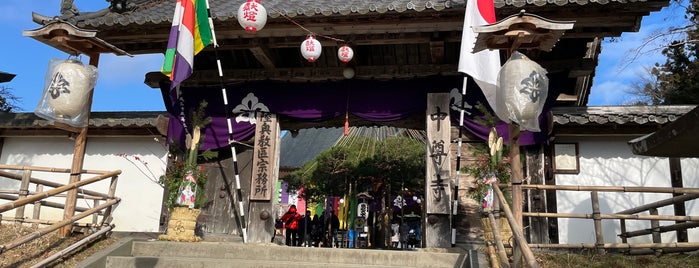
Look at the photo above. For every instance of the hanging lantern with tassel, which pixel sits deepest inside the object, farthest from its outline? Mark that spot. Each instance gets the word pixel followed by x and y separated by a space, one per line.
pixel 345 53
pixel 311 49
pixel 252 16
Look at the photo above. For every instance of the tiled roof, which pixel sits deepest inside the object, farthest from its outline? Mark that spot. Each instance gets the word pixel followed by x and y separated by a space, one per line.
pixel 159 11
pixel 521 3
pixel 618 115
pixel 97 120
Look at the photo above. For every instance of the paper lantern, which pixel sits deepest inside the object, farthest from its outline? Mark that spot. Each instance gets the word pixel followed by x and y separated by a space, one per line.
pixel 311 49
pixel 252 16
pixel 345 53
pixel 69 88
pixel 522 88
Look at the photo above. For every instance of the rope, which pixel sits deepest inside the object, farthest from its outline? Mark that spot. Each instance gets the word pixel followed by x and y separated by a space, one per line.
pixel 231 140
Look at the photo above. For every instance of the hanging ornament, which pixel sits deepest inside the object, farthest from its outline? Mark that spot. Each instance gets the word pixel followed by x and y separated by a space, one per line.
pixel 346 123
pixel 345 53
pixel 252 16
pixel 311 49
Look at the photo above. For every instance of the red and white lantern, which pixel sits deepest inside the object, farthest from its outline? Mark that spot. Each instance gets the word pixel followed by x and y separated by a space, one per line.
pixel 345 53
pixel 252 16
pixel 311 49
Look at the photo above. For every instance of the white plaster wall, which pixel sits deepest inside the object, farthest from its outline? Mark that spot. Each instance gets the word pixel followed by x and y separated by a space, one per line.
pixel 611 163
pixel 141 195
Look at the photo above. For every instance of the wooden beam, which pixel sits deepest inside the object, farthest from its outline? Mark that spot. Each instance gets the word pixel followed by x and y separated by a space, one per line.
pixel 261 53
pixel 210 77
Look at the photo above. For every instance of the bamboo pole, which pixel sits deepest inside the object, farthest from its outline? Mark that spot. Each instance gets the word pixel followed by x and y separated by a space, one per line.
pixel 494 263
pixel 48 222
pixel 501 253
pixel 14 195
pixel 612 216
pixel 54 184
pixel 662 229
pixel 619 245
pixel 42 203
pixel 661 203
pixel 628 189
pixel 52 192
pixel 60 224
pixel 72 247
pixel 516 230
pixel 48 169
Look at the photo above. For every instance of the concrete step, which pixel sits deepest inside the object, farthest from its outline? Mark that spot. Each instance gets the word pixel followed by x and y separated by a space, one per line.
pixel 183 262
pixel 146 250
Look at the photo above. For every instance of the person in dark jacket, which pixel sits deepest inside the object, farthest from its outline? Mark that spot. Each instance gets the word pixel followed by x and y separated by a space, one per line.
pixel 305 228
pixel 291 222
pixel 333 225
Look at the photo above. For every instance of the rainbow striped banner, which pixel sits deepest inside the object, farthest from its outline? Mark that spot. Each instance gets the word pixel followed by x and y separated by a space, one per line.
pixel 190 33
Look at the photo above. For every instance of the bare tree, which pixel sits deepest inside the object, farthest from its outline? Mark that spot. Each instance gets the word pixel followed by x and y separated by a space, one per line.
pixel 8 101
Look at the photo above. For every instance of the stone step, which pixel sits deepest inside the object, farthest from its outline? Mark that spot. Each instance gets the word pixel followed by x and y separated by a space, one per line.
pixel 274 253
pixel 184 262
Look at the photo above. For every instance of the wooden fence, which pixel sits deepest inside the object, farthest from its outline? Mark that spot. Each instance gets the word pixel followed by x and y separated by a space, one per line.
pixel 101 209
pixel 682 222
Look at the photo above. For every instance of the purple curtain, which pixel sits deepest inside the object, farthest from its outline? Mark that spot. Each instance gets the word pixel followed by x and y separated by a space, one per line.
pixel 377 101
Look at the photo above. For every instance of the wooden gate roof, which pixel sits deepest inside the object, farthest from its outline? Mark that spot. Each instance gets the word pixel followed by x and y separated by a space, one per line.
pixel 398 39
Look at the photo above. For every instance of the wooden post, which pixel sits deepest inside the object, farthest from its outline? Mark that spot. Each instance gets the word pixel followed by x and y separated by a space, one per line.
pixel 37 205
pixel 599 238
pixel 78 158
pixel 655 226
pixel 23 192
pixel 436 221
pixel 679 208
pixel 263 184
pixel 517 178
pixel 624 237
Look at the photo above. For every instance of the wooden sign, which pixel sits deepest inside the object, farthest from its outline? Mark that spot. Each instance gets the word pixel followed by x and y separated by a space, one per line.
pixel 437 181
pixel 265 161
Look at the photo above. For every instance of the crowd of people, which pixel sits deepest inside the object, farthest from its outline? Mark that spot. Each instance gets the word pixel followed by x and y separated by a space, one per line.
pixel 304 231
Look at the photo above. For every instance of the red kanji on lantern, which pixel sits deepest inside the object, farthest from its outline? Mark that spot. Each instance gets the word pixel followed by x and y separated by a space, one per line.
pixel 345 53
pixel 311 49
pixel 252 16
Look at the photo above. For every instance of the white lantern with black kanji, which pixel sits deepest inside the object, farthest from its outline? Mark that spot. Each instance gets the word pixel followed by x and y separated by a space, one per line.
pixel 252 16
pixel 311 49
pixel 522 89
pixel 345 53
pixel 69 88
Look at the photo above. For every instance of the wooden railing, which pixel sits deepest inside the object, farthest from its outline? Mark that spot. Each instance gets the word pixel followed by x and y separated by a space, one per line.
pixel 685 222
pixel 101 210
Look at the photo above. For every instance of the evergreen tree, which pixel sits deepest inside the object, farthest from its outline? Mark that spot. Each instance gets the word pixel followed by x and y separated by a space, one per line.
pixel 678 77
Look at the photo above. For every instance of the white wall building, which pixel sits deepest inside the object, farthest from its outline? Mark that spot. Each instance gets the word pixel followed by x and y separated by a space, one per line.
pixel 606 159
pixel 129 142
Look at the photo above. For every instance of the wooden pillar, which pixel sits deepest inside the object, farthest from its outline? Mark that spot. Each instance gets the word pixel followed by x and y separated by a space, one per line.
pixel 679 208
pixel 599 237
pixel 265 173
pixel 78 158
pixel 517 176
pixel 436 218
pixel 538 226
pixel 23 192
